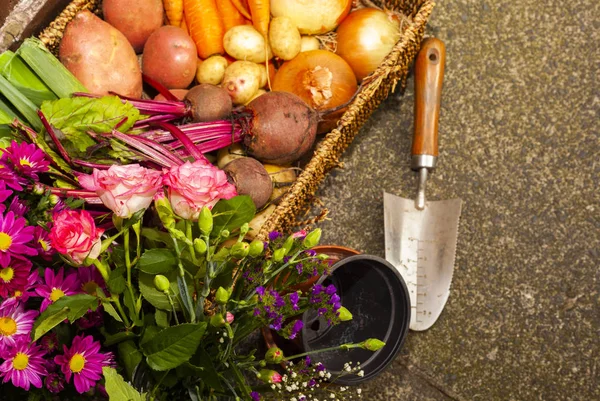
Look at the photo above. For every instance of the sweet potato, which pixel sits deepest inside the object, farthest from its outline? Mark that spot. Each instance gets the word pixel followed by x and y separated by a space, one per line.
pixel 100 56
pixel 136 19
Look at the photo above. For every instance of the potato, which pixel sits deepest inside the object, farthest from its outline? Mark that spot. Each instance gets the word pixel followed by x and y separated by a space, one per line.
pixel 211 70
pixel 284 38
pixel 178 93
pixel 136 19
pixel 259 220
pixel 229 154
pixel 282 177
pixel 243 42
pixel 100 56
pixel 170 57
pixel 241 80
pixel 257 94
pixel 309 43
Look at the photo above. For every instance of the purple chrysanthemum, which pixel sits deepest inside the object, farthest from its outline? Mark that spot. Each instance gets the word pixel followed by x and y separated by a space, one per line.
pixel 26 158
pixel 13 276
pixel 18 207
pixel 9 178
pixel 15 325
pixel 90 279
pixel 42 244
pixel 84 362
pixel 14 238
pixel 55 383
pixel 56 286
pixel 24 366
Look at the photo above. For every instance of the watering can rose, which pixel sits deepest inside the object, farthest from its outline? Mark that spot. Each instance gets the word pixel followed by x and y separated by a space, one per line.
pixel 192 186
pixel 124 189
pixel 75 234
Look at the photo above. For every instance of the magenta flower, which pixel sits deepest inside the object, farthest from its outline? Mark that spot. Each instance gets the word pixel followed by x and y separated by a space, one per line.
pixel 56 286
pixel 123 189
pixel 13 276
pixel 4 194
pixel 24 366
pixel 49 343
pixel 18 207
pixel 15 325
pixel 10 179
pixel 24 293
pixel 55 383
pixel 14 238
pixel 84 362
pixel 91 279
pixel 26 158
pixel 75 234
pixel 91 319
pixel 41 242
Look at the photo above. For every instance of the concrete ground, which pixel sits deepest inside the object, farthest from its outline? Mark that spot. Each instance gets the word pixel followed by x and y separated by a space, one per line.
pixel 520 145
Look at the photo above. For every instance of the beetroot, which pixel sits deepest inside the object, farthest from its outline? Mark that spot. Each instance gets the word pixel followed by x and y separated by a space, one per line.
pixel 250 178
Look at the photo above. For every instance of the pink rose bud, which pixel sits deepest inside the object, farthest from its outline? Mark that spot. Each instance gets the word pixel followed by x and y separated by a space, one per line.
pixel 229 317
pixel 123 189
pixel 75 234
pixel 194 185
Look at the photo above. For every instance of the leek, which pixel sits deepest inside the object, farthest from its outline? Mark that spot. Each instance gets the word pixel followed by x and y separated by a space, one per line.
pixel 7 116
pixel 49 68
pixel 21 103
pixel 23 79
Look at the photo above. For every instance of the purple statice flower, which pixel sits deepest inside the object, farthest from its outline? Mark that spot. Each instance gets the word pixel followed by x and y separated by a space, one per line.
pixel 13 276
pixel 286 259
pixel 315 272
pixel 294 298
pixel 18 207
pixel 310 252
pixel 26 158
pixel 322 311
pixel 273 235
pixel 299 268
pixel 84 362
pixel 317 289
pixel 279 301
pixel 320 367
pixel 296 329
pixel 49 343
pixel 255 396
pixel 307 361
pixel 312 383
pixel 54 383
pixel 15 325
pixel 9 178
pixel 330 290
pixel 56 286
pixel 15 236
pixel 260 290
pixel 277 323
pixel 256 312
pixel 41 242
pixel 24 366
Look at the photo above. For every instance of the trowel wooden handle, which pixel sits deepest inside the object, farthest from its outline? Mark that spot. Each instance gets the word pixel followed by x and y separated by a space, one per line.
pixel 429 77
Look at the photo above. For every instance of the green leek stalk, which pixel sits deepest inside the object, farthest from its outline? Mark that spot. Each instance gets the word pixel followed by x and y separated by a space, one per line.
pixel 21 103
pixel 49 68
pixel 23 79
pixel 7 115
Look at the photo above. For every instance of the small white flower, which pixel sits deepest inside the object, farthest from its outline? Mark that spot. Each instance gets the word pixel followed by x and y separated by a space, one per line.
pixel 328 375
pixel 321 373
pixel 221 340
pixel 361 373
pixel 358 390
pixel 273 386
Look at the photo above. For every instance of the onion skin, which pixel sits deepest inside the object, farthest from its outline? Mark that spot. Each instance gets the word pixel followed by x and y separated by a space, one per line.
pixel 365 38
pixel 312 17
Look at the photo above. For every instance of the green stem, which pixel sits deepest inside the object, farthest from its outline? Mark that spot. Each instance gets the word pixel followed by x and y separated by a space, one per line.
pixel 173 307
pixel 337 348
pixel 186 299
pixel 159 383
pixel 241 380
pixel 115 300
pixel 103 269
pixel 188 234
pixel 128 266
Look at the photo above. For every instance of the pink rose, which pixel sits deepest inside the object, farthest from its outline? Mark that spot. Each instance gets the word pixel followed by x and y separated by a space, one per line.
pixel 194 185
pixel 75 234
pixel 124 189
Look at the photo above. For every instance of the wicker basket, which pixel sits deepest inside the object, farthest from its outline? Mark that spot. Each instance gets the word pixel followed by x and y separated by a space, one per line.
pixel 375 88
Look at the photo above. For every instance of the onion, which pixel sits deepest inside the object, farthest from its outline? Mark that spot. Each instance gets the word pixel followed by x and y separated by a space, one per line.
pixel 366 37
pixel 312 17
pixel 319 77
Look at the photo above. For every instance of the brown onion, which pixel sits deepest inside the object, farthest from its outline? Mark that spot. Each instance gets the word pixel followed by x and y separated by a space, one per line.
pixel 312 17
pixel 366 37
pixel 319 77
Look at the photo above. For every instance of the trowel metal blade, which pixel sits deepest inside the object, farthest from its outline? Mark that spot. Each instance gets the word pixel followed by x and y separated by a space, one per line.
pixel 421 244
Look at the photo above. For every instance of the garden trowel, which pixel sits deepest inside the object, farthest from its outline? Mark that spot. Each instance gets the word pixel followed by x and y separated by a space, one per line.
pixel 420 235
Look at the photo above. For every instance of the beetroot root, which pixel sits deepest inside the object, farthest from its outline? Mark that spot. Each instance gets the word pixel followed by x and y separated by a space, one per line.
pixel 209 103
pixel 250 178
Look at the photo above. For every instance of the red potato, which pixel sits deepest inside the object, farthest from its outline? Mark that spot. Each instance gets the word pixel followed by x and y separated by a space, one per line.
pixel 170 57
pixel 178 93
pixel 100 56
pixel 136 19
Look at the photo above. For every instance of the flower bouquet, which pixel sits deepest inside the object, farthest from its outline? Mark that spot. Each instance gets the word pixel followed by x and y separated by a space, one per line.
pixel 151 290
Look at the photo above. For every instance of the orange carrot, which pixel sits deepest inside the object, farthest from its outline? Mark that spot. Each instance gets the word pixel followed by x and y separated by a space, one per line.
pixel 205 25
pixel 174 11
pixel 260 10
pixel 184 25
pixel 230 14
pixel 241 7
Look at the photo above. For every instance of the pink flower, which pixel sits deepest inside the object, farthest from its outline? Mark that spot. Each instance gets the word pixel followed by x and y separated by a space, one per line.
pixel 194 185
pixel 91 279
pixel 27 159
pixel 15 325
pixel 55 383
pixel 75 234
pixel 24 366
pixel 57 286
pixel 41 242
pixel 84 362
pixel 24 293
pixel 15 236
pixel 229 317
pixel 13 276
pixel 123 189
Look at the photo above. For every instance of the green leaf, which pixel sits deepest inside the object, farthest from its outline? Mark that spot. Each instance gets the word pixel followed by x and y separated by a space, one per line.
pixel 68 307
pixel 116 281
pixel 112 339
pixel 75 116
pixel 231 214
pixel 21 103
pixel 157 261
pixel 173 345
pixel 14 69
pixel 157 298
pixel 130 305
pixel 202 365
pixel 39 140
pixel 118 389
pixel 130 356
pixel 110 309
pixel 162 318
pixel 156 235
pixel 149 333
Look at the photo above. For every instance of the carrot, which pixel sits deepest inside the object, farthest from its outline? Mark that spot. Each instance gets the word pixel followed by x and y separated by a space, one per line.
pixel 184 25
pixel 241 7
pixel 230 14
pixel 174 11
pixel 205 26
pixel 260 10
